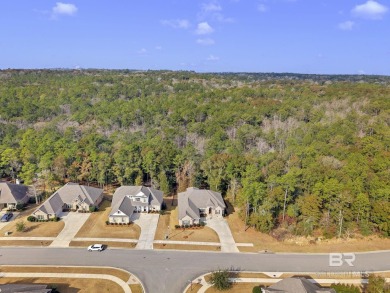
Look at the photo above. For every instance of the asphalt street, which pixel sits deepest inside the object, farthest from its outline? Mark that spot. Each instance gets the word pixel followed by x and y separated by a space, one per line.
pixel 170 271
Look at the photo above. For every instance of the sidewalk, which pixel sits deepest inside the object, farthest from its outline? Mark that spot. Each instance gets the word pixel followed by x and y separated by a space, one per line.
pixel 120 282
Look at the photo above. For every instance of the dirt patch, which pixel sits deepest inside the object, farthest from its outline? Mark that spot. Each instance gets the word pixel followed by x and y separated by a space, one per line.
pixel 95 226
pixel 65 285
pixel 73 270
pixel 187 247
pixel 264 242
pixel 24 243
pixel 108 243
pixel 33 229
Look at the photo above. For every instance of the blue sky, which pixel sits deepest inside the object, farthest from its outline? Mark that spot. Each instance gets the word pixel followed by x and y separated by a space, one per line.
pixel 303 36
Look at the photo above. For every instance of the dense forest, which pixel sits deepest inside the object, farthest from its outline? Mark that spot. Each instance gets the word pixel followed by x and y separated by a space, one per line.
pixel 308 153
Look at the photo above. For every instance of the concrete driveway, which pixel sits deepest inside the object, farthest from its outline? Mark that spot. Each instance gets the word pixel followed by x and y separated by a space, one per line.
pixel 73 222
pixel 3 224
pixel 220 226
pixel 148 224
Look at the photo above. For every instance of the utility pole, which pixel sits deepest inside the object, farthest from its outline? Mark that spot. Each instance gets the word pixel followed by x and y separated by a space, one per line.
pixel 246 214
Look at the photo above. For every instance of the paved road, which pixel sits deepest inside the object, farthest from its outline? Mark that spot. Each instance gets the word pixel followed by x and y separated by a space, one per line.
pixel 169 271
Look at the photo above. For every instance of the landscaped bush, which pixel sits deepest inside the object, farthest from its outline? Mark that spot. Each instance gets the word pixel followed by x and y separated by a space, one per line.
pixel 164 206
pixel 256 289
pixel 162 212
pixel 177 226
pixel 107 222
pixel 92 209
pixel 31 219
pixel 202 224
pixel 20 206
pixel 342 288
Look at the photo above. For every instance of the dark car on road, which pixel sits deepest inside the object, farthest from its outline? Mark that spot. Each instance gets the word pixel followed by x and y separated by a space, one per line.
pixel 6 217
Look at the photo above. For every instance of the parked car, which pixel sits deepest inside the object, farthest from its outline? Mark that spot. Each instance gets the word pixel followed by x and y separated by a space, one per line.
pixel 96 247
pixel 6 217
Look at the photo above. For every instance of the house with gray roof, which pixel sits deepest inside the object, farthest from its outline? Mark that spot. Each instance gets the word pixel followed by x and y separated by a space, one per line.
pixel 12 194
pixel 24 288
pixel 296 285
pixel 197 204
pixel 71 196
pixel 134 199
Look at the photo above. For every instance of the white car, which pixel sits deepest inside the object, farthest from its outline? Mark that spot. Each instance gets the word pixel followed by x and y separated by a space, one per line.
pixel 96 247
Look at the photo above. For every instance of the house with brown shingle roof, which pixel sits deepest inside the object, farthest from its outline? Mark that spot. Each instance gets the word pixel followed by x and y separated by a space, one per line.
pixel 195 204
pixel 134 199
pixel 71 196
pixel 12 194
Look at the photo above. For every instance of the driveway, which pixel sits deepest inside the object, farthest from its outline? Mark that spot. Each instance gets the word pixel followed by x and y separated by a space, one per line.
pixel 220 226
pixel 148 224
pixel 3 224
pixel 73 222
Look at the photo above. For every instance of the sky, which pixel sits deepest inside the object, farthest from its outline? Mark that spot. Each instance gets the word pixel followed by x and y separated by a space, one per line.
pixel 299 36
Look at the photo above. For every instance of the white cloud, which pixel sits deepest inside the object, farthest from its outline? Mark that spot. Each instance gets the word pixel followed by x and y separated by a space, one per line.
pixel 207 7
pixel 262 8
pixel 142 51
pixel 205 42
pixel 212 58
pixel 176 23
pixel 370 10
pixel 346 25
pixel 361 72
pixel 158 48
pixel 64 9
pixel 204 29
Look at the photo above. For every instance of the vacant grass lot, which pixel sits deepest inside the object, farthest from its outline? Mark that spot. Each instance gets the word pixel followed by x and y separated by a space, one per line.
pixel 96 227
pixel 263 241
pixel 169 219
pixel 187 247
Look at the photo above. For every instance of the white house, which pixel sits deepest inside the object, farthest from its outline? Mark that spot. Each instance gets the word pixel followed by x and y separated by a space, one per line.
pixel 134 199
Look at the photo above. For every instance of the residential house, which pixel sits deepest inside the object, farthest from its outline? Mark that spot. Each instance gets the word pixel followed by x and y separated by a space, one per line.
pixel 197 204
pixel 71 196
pixel 134 199
pixel 12 194
pixel 26 288
pixel 296 285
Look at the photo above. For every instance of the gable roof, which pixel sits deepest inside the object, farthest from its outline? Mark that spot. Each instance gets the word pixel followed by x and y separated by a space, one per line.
pixel 120 198
pixel 297 285
pixel 193 199
pixel 12 193
pixel 67 194
pixel 25 288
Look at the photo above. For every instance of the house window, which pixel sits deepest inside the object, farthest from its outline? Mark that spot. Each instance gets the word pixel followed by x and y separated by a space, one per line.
pixel 40 217
pixel 217 212
pixel 137 199
pixel 186 222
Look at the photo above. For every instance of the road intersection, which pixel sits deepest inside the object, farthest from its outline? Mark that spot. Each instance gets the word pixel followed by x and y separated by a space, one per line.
pixel 169 271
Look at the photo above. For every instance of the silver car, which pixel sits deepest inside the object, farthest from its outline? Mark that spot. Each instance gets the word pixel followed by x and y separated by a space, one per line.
pixel 96 247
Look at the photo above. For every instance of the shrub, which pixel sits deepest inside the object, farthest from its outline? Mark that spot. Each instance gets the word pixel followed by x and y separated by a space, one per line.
pixel 186 226
pixel 20 206
pixel 56 219
pixel 256 289
pixel 20 226
pixel 92 209
pixel 164 206
pixel 342 288
pixel 202 224
pixel 31 219
pixel 162 212
pixel 32 200
pixel 177 226
pixel 107 222
pixel 220 280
